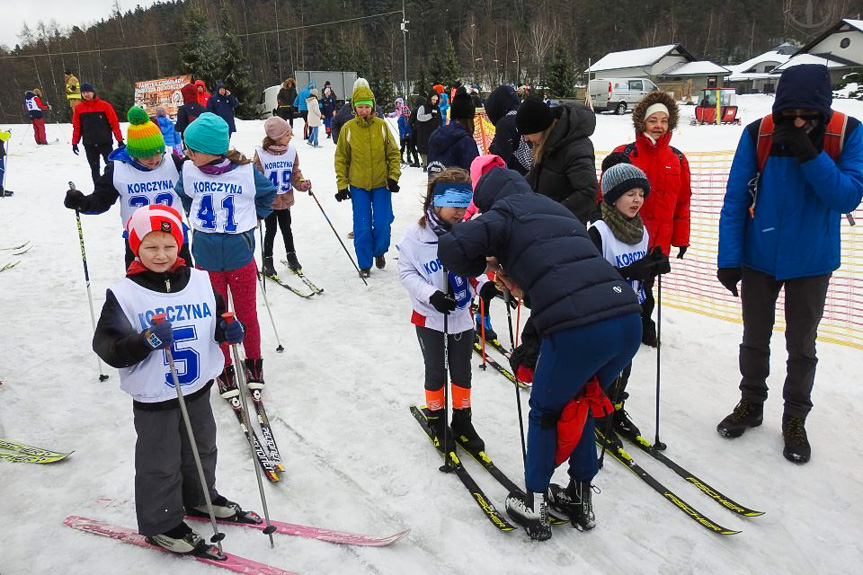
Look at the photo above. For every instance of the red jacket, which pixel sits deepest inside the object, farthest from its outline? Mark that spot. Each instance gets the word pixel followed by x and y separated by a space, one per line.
pixel 203 97
pixel 666 209
pixel 94 120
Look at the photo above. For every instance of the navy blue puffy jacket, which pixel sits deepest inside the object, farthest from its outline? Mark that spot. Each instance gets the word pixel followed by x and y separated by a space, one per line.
pixel 452 146
pixel 544 249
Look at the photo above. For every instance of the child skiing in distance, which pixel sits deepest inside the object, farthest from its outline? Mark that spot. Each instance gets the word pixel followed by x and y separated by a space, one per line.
pixel 224 195
pixel 435 292
pixel 35 108
pixel 138 175
pixel 314 117
pixel 367 173
pixel 167 485
pixel 169 132
pixel 620 236
pixel 277 159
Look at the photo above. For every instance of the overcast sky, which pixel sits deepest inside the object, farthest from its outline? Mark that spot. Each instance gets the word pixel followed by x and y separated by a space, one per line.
pixel 67 13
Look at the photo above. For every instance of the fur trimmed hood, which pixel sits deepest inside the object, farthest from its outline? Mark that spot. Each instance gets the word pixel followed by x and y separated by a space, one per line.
pixel 657 97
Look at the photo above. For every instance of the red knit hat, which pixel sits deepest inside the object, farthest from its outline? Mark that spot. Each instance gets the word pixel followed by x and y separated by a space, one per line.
pixel 153 218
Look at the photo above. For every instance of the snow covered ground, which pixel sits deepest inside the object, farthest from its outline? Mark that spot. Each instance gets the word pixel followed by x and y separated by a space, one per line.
pixel 339 395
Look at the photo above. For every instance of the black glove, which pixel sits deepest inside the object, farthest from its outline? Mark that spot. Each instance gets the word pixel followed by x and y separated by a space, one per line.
pixel 121 145
pixel 682 251
pixel 343 195
pixel 659 261
pixel 796 140
pixel 638 270
pixel 729 277
pixel 75 148
pixel 488 292
pixel 74 199
pixel 526 354
pixel 442 302
pixel 392 185
pixel 159 336
pixel 234 331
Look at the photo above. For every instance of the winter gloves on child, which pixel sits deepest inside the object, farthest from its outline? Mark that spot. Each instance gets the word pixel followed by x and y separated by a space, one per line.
pixel 730 277
pixel 74 199
pixel 653 264
pixel 343 195
pixel 234 331
pixel 159 336
pixel 442 302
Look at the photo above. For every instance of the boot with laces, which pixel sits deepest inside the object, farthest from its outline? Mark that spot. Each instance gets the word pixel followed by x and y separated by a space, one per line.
pixel 797 448
pixel 746 414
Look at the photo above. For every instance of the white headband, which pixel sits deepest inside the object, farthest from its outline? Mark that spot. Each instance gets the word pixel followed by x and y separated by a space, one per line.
pixel 654 108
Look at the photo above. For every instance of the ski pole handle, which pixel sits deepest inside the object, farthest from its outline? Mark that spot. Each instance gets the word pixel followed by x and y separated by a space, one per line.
pixel 72 186
pixel 158 318
pixel 228 316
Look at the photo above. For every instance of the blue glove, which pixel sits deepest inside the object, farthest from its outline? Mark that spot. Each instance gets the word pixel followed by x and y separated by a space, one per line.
pixel 234 331
pixel 75 148
pixel 159 336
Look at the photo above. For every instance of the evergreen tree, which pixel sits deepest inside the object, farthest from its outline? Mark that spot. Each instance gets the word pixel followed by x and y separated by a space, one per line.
pixel 199 55
pixel 450 69
pixel 382 87
pixel 121 96
pixel 232 66
pixel 560 72
pixel 435 67
pixel 421 83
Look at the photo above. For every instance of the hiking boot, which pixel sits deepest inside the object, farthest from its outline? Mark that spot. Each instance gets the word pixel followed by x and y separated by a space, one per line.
pixel 182 540
pixel 464 432
pixel 621 423
pixel 228 383
pixel 267 270
pixel 365 272
pixel 255 373
pixel 293 262
pixel 490 334
pixel 797 448
pixel 439 429
pixel 746 414
pixel 530 510
pixel 575 501
pixel 380 261
pixel 226 510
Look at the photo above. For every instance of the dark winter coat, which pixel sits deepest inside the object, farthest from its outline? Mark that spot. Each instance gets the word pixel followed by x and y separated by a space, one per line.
pixel 223 106
pixel 500 107
pixel 286 97
pixel 544 249
pixel 190 110
pixel 452 146
pixel 328 105
pixel 666 210
pixel 428 119
pixel 94 121
pixel 566 172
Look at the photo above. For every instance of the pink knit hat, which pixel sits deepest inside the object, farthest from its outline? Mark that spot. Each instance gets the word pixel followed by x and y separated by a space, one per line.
pixel 276 128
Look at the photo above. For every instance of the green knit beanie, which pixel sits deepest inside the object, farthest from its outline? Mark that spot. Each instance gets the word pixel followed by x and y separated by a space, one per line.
pixel 208 134
pixel 143 138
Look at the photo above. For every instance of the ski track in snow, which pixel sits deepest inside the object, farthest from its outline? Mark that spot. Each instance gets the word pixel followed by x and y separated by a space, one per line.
pixel 338 398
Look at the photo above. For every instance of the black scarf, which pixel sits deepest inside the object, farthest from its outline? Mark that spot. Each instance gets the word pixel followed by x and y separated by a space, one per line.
pixel 628 230
pixel 437 225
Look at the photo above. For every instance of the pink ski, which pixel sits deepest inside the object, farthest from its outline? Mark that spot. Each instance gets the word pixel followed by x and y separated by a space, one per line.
pixel 231 563
pixel 328 535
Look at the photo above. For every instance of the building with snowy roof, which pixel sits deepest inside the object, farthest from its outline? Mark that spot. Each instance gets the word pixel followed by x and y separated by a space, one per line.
pixel 671 63
pixel 840 48
pixel 755 75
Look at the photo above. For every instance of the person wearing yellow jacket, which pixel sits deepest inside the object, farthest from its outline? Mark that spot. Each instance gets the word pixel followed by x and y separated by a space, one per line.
pixel 367 172
pixel 73 89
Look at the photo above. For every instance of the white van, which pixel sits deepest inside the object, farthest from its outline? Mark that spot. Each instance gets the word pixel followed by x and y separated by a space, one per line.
pixel 618 94
pixel 269 102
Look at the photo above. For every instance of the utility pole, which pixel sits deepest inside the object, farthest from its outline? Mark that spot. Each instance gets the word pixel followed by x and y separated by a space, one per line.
pixel 404 27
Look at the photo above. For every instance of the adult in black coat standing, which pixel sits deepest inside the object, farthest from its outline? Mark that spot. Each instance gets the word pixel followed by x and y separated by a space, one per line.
pixel 285 98
pixel 501 107
pixel 223 103
pixel 587 316
pixel 563 160
pixel 428 119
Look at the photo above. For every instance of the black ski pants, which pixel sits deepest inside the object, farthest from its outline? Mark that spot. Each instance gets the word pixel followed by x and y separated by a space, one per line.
pixel 460 350
pixel 278 219
pixel 286 113
pixel 804 307
pixel 166 479
pixel 94 152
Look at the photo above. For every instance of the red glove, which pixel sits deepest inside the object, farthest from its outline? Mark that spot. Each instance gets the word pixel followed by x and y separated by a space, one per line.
pixel 524 374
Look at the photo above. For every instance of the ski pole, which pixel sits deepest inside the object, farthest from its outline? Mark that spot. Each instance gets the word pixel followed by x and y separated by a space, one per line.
pixel 280 348
pixel 102 376
pixel 244 390
pixel 447 466
pixel 326 217
pixel 607 429
pixel 656 443
pixel 507 297
pixel 482 366
pixel 217 537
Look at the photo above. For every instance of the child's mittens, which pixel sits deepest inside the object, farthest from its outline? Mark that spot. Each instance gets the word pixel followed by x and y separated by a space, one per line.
pixel 234 331
pixel 304 185
pixel 159 336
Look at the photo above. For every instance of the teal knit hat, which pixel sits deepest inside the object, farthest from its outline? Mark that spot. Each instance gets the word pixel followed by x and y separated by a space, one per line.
pixel 208 134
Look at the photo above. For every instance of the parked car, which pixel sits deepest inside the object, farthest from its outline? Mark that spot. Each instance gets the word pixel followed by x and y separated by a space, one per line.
pixel 618 94
pixel 268 103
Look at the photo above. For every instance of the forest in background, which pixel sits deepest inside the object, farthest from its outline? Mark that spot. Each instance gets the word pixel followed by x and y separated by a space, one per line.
pixel 252 44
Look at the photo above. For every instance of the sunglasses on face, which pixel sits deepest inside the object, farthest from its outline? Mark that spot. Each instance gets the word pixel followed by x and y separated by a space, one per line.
pixel 811 117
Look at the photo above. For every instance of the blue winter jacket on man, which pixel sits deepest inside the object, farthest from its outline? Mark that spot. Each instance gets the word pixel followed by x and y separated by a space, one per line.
pixel 302 96
pixel 223 106
pixel 543 248
pixel 452 146
pixel 795 229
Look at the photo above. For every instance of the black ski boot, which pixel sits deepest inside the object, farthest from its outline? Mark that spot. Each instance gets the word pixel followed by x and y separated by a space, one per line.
pixel 226 510
pixel 575 501
pixel 648 333
pixel 381 261
pixel 437 425
pixel 621 423
pixel 293 262
pixel 267 270
pixel 531 512
pixel 255 373
pixel 612 441
pixel 228 383
pixel 183 541
pixel 745 415
pixel 797 448
pixel 464 432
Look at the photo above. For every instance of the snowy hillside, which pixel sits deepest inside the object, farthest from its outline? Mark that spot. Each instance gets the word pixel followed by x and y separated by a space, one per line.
pixel 339 395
